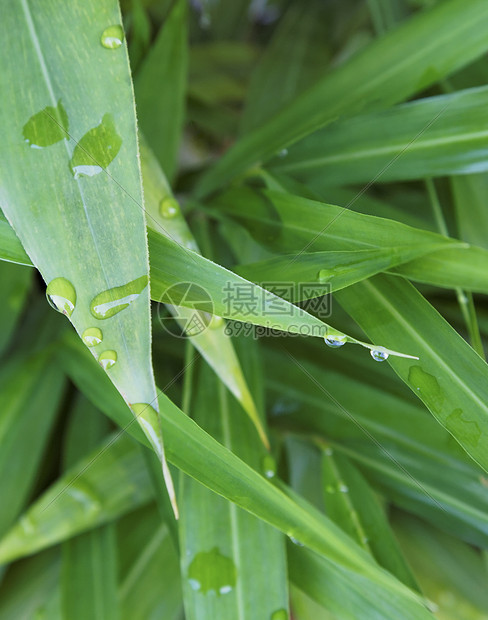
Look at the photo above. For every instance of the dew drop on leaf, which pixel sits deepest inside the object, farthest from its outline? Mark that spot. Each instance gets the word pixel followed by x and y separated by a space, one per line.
pixel 169 208
pixel 47 127
pixel 114 300
pixel 112 37
pixel 379 356
pixel 92 336
pixel 279 614
pixel 335 341
pixel 211 571
pixel 268 466
pixel 96 149
pixel 216 322
pixel 107 359
pixel 61 295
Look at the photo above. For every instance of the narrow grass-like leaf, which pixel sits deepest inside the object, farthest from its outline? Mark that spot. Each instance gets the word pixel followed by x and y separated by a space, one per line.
pixel 351 503
pixel 172 266
pixel 89 565
pixel 30 590
pixel 16 282
pixel 347 597
pixel 70 180
pixel 30 395
pixel 234 564
pixel 444 564
pixel 164 215
pixel 109 482
pixel 450 378
pixel 160 87
pixel 426 138
pixel 397 446
pixel 288 223
pixel 203 458
pixel 389 70
pixel 469 195
pixel 330 271
pixel 148 557
pixel 291 62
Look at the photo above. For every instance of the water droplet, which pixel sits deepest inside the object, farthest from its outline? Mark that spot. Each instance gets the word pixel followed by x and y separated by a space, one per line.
pixel 268 466
pixel 365 540
pixel 325 275
pixel 84 495
pixel 328 451
pixel 463 428
pixel 112 37
pixel 378 355
pixel 279 614
pixel 96 149
pixel 28 524
pixel 110 302
pixel 295 541
pixel 61 295
pixel 427 386
pixel 92 336
pixel 107 359
pixel 335 341
pixel 343 488
pixel 216 321
pixel 211 571
pixel 283 153
pixel 169 208
pixel 47 127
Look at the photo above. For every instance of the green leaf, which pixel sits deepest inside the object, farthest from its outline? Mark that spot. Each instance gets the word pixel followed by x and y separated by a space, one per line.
pixel 351 503
pixel 89 564
pixel 362 413
pixel 389 70
pixel 426 138
pixel 30 590
pixel 150 585
pixel 203 458
pixel 160 88
pixel 347 597
pixel 223 543
pixel 28 386
pixel 290 63
pixel 74 198
pixel 288 223
pixel 444 565
pixel 164 215
pixel 450 378
pixel 330 271
pixel 16 283
pixel 107 483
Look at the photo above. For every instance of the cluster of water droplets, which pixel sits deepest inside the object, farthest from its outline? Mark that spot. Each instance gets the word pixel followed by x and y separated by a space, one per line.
pixel 61 295
pixel 335 341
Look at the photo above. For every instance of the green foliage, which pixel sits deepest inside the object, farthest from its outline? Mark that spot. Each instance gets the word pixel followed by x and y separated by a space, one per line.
pixel 270 175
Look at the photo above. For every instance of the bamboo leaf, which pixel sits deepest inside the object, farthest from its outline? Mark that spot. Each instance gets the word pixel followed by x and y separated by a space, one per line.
pixel 450 378
pixel 391 69
pixel 161 107
pixel 71 183
pixel 430 137
pixel 89 565
pixel 213 344
pixel 234 563
pixel 28 385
